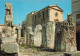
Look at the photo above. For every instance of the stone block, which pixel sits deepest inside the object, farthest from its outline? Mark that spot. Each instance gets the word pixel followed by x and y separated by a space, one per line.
pixel 8 5
pixel 38 28
pixel 38 36
pixel 9 48
pixel 56 54
pixel 29 29
pixel 77 53
pixel 4 40
pixel 48 33
pixel 9 18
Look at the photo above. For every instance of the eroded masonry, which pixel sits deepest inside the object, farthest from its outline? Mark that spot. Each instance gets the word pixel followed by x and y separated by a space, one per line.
pixel 10 34
pixel 46 29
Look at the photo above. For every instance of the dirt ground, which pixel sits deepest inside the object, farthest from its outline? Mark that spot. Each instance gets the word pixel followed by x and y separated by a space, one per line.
pixel 37 52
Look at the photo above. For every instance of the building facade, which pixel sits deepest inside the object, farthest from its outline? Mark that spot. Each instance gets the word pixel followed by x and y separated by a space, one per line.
pixel 46 29
pixel 76 11
pixel 40 30
pixel 76 15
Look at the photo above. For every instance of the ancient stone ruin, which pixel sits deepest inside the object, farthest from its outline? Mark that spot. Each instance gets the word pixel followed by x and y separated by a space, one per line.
pixel 8 41
pixel 65 39
pixel 42 29
pixel 40 26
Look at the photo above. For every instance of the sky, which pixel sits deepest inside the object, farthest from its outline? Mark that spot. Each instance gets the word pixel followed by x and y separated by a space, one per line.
pixel 21 8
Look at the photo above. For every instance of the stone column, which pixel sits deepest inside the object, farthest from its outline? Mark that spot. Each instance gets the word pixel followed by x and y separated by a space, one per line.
pixel 38 36
pixel 18 35
pixel 48 35
pixel 25 38
pixel 8 19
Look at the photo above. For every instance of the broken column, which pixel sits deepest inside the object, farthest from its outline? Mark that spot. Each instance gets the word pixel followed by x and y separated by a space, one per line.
pixel 38 36
pixel 18 34
pixel 48 35
pixel 8 19
pixel 8 44
pixel 29 36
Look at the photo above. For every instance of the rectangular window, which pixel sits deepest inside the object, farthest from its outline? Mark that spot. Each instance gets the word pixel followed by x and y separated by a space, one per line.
pixel 35 17
pixel 43 14
pixel 78 16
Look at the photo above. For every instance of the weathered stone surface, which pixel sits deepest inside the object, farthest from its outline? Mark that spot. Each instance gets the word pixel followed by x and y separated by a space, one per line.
pixel 10 48
pixel 29 36
pixel 8 5
pixel 38 36
pixel 9 18
pixel 34 38
pixel 77 53
pixel 49 35
pixel 29 30
pixel 66 36
pixel 4 40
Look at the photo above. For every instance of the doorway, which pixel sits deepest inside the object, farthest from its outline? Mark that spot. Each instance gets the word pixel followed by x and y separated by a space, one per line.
pixel 78 40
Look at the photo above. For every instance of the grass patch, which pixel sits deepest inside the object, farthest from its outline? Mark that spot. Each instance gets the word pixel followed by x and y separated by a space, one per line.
pixel 24 46
pixel 36 48
pixel 32 47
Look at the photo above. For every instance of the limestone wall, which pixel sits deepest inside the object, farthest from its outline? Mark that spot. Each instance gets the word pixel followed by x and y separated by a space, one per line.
pixel 48 35
pixel 30 19
pixel 66 36
pixel 1 27
pixel 38 36
pixel 45 19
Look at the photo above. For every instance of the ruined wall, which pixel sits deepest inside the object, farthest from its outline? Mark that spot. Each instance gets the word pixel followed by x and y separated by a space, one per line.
pixel 38 36
pixel 30 19
pixel 48 34
pixel 29 36
pixel 2 31
pixel 40 18
pixel 41 26
pixel 66 36
pixel 23 30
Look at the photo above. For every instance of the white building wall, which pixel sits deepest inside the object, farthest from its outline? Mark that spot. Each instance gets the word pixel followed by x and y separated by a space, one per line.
pixel 76 9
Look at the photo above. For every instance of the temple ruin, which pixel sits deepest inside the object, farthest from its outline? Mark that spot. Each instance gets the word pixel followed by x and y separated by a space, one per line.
pixel 40 30
pixel 46 29
pixel 10 34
